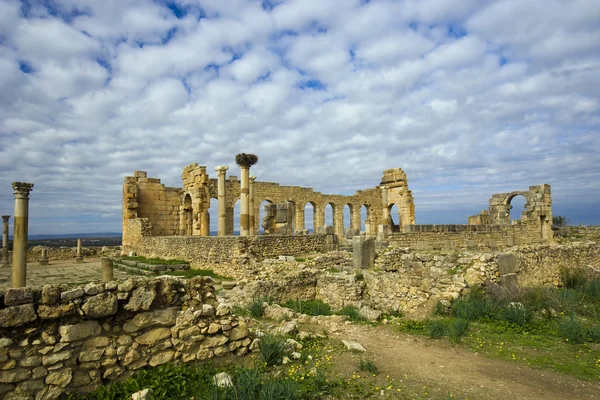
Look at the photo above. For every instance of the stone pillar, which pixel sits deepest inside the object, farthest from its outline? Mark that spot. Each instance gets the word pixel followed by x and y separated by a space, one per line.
pixel 221 171
pixel 385 211
pixel 363 251
pixel 251 216
pixel 244 201
pixel 204 223
pixel 44 256
pixel 299 227
pixel 79 257
pixel 20 230
pixel 5 261
pixel 338 220
pixel 107 269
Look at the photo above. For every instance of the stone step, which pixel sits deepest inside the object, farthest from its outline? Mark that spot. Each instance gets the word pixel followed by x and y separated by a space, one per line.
pixel 133 270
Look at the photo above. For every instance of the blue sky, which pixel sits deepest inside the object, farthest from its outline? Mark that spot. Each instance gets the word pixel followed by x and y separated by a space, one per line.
pixel 470 98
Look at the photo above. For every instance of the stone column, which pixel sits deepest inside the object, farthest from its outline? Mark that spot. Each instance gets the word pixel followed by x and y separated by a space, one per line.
pixel 244 201
pixel 44 256
pixel 251 216
pixel 385 211
pixel 79 257
pixel 204 223
pixel 5 261
pixel 221 171
pixel 107 269
pixel 20 230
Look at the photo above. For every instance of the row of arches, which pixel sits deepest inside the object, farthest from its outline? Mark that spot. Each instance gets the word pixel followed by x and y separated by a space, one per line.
pixel 311 221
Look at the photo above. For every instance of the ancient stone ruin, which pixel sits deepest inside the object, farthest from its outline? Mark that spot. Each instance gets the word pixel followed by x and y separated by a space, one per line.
pixel 169 222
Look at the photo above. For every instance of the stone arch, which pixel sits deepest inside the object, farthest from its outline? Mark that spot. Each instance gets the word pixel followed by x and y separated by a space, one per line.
pixel 329 213
pixel 394 217
pixel 186 215
pixel 513 218
pixel 313 216
pixel 347 216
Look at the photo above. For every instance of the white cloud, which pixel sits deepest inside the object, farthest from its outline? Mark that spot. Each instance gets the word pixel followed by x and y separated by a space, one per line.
pixel 328 94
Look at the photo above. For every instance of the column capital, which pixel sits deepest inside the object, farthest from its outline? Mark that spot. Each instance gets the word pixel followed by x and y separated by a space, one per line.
pixel 221 169
pixel 5 218
pixel 252 178
pixel 22 189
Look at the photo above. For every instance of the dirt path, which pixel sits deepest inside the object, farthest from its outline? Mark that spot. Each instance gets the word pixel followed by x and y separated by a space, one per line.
pixel 454 369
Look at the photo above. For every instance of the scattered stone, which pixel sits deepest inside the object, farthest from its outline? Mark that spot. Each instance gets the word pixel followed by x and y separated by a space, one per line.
pixel 142 395
pixel 353 346
pixel 223 379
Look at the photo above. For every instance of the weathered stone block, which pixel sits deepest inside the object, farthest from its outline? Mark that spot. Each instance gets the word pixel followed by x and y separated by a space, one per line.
pixel 50 294
pixel 507 264
pixel 101 305
pixel 14 375
pixel 141 299
pixel 153 336
pixel 472 245
pixel 16 316
pixel 56 311
pixel 510 282
pixel 18 296
pixel 72 333
pixel 164 317
pixel 363 251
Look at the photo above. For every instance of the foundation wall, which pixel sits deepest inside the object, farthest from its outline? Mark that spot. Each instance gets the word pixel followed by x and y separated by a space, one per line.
pixel 55 340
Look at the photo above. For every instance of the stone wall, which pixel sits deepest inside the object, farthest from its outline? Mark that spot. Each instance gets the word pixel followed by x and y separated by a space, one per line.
pixel 58 339
pixel 412 281
pixel 227 255
pixel 463 237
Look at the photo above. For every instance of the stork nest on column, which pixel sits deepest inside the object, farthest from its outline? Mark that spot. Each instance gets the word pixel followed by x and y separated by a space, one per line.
pixel 246 160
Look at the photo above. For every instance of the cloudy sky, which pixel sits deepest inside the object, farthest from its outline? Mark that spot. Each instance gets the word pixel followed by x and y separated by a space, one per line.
pixel 469 97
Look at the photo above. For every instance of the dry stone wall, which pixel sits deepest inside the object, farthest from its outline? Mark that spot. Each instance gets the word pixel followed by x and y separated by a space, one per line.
pixel 227 255
pixel 53 253
pixel 58 339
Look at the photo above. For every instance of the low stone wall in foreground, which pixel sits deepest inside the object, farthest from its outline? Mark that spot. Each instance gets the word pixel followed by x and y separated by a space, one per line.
pixel 58 339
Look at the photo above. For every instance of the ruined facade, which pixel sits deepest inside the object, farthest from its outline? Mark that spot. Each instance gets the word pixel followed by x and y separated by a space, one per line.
pixel 185 211
pixel 175 222
pixel 536 217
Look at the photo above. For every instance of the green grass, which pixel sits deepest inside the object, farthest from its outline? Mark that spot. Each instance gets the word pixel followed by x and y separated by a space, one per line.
pixel 192 273
pixel 310 307
pixel 368 365
pixel 272 349
pixel 353 313
pixel 153 261
pixel 256 308
pixel 542 327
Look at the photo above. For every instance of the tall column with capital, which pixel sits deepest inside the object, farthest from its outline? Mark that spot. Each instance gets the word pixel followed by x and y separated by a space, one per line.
pixel 20 230
pixel 251 211
pixel 5 261
pixel 245 161
pixel 221 171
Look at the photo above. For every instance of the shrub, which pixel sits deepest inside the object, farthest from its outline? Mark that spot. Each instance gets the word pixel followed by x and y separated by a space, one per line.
pixel 368 366
pixel 517 313
pixel 458 327
pixel 280 389
pixel 353 313
pixel 473 308
pixel 272 349
pixel 572 330
pixel 592 288
pixel 247 383
pixel 573 278
pixel 359 276
pixel 436 329
pixel 256 308
pixel 311 307
pixel 594 334
pixel 440 309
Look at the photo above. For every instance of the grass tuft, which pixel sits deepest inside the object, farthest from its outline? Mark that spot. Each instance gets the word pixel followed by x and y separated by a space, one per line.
pixel 368 365
pixel 457 329
pixel 272 349
pixel 436 329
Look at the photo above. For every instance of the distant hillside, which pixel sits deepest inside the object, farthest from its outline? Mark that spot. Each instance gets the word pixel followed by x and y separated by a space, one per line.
pixel 76 236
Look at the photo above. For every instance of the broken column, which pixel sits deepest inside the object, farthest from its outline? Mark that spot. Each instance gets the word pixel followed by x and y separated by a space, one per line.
pixel 5 261
pixel 78 257
pixel 20 230
pixel 44 256
pixel 251 216
pixel 383 230
pixel 221 171
pixel 363 251
pixel 244 201
pixel 107 269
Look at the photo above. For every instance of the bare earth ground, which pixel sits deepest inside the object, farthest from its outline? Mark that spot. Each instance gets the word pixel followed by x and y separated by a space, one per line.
pixel 440 366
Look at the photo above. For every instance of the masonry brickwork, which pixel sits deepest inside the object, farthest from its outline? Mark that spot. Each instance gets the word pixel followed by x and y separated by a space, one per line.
pixel 74 339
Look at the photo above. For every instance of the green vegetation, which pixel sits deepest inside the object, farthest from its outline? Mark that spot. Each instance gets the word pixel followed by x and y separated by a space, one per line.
pixel 353 313
pixel 256 308
pixel 310 307
pixel 192 273
pixel 368 365
pixel 560 220
pixel 550 328
pixel 272 349
pixel 153 261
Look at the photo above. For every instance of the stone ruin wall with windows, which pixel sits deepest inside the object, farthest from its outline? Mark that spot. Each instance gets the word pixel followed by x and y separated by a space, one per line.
pixel 175 222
